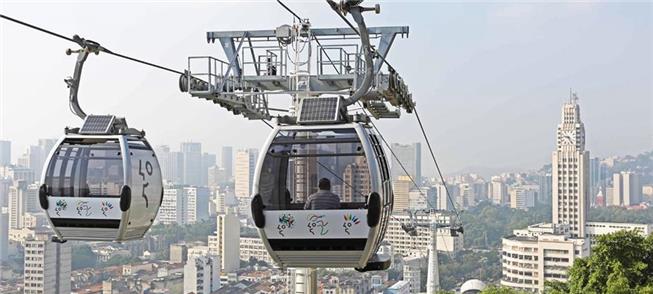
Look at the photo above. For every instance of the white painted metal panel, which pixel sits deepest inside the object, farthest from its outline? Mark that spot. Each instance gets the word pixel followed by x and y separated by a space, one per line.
pixel 316 224
pixel 84 208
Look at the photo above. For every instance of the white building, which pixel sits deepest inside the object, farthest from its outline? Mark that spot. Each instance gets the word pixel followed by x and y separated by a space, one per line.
pixel 173 206
pixel 202 274
pixel 226 241
pixel 401 190
pixel 184 205
pixel 47 266
pixel 244 177
pixel 539 253
pixel 22 199
pixel 522 197
pixel 197 204
pixel 443 201
pixel 570 171
pixel 406 245
pixel 595 229
pixel 412 274
pixel 253 247
pixel 626 189
pixel 498 191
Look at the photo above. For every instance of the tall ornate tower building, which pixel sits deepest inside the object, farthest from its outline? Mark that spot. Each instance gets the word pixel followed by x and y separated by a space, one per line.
pixel 570 171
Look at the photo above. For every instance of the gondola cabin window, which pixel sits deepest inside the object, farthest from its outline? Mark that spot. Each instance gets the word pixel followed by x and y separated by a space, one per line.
pixel 297 159
pixel 86 169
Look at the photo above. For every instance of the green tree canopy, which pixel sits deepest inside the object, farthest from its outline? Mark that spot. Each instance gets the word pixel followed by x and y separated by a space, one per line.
pixel 621 262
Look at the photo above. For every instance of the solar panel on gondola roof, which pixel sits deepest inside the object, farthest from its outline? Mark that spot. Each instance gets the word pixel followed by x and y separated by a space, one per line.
pixel 97 124
pixel 319 110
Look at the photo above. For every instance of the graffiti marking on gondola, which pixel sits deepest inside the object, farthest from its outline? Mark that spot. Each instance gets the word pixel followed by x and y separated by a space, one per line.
pixel 148 170
pixel 106 206
pixel 350 221
pixel 316 222
pixel 83 207
pixel 60 206
pixel 286 221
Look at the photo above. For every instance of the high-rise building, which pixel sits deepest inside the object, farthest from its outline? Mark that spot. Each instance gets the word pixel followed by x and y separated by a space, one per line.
pixel 626 189
pixel 356 178
pixel 498 191
pixel 544 193
pixel 172 164
pixel 401 189
pixel 47 265
pixel 244 177
pixel 410 156
pixel 32 159
pixel 173 207
pixel 444 202
pixel 467 197
pixel 226 241
pixel 5 152
pixel 522 197
pixel 192 153
pixel 17 204
pixel 412 274
pixel 4 234
pixel 570 171
pixel 197 204
pixel 208 160
pixel 226 161
pixel 303 175
pixel 202 274
pixel 5 184
pixel 184 205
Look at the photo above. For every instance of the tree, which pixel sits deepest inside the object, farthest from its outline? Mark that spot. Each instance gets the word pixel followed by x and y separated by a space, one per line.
pixel 621 262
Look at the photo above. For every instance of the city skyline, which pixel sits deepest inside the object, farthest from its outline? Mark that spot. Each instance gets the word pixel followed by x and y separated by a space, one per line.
pixel 484 104
pixel 329 202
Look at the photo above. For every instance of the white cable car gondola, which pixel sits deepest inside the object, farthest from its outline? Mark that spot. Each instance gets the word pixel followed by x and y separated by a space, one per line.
pixel 101 182
pixel 290 165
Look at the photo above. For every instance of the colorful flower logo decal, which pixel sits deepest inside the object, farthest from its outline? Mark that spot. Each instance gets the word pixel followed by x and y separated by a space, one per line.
pixel 106 207
pixel 83 207
pixel 317 224
pixel 60 206
pixel 350 220
pixel 286 221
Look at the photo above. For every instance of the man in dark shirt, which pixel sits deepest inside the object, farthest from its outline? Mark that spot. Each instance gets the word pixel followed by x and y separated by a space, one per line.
pixel 323 199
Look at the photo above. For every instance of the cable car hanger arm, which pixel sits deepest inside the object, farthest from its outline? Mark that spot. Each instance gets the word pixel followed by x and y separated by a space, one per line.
pixel 356 11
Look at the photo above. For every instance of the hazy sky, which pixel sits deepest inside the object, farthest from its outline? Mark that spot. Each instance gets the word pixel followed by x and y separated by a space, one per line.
pixel 489 78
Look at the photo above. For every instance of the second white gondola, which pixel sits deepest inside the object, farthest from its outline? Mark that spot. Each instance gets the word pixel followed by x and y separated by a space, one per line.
pixel 290 165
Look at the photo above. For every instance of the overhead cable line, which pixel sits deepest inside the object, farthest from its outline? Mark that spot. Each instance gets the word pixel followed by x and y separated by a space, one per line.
pixel 418 119
pixel 83 43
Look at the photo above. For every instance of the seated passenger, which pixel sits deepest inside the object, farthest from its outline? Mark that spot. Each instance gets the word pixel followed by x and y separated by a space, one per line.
pixel 323 199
